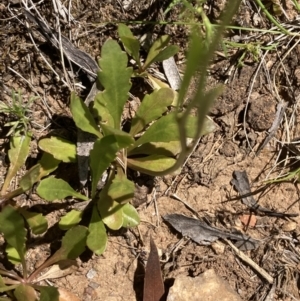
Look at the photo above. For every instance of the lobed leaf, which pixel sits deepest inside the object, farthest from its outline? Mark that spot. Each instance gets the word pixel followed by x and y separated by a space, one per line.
pixel 70 220
pixel 82 116
pixel 13 228
pixel 52 189
pixel 167 129
pixel 97 237
pixel 61 149
pixel 151 165
pixel 155 49
pixel 17 154
pixel 131 44
pixel 151 108
pixel 166 53
pixel 12 255
pixel 36 221
pixel 115 78
pixel 130 216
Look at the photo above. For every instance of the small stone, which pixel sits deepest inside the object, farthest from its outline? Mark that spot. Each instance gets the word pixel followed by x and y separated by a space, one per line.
pixel 91 274
pixel 208 286
pixel 289 226
pixel 218 247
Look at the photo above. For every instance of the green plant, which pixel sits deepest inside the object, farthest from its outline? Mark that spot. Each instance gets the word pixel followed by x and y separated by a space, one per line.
pixel 157 143
pixel 21 284
pixel 18 111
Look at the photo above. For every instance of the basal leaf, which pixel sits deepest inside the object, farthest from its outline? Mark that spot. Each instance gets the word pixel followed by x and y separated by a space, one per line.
pixel 73 243
pixel 12 255
pixel 110 211
pixel 13 228
pixel 36 221
pixel 97 237
pixel 61 149
pixel 71 219
pixel 101 156
pixel 121 189
pixel 25 293
pixel 130 216
pixel 48 164
pixel 166 129
pixel 152 164
pixel 48 293
pixel 123 139
pixel 131 44
pixel 52 189
pixel 155 49
pixel 115 78
pixel 17 154
pixel 82 116
pixel 151 108
pixel 168 149
pixel 32 176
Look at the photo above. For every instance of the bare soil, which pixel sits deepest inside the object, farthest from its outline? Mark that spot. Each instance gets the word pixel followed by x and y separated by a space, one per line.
pixel 243 115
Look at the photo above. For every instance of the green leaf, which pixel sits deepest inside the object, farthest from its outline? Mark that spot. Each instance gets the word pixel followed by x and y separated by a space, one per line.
pixel 13 228
pixel 131 44
pixel 121 189
pixel 110 211
pixel 48 293
pixel 97 238
pixel 130 216
pixel 61 149
pixel 115 78
pixel 168 149
pixel 70 220
pixel 156 49
pixel 12 255
pixel 112 216
pixel 150 165
pixel 151 108
pixel 8 288
pixel 36 221
pixel 166 129
pixel 48 164
pixel 17 154
pixel 101 156
pixel 168 52
pixel 82 116
pixel 123 139
pixel 52 189
pixel 73 243
pixel 31 177
pixel 25 293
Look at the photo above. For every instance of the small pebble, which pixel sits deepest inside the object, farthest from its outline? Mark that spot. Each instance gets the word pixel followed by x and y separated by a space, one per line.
pixel 91 274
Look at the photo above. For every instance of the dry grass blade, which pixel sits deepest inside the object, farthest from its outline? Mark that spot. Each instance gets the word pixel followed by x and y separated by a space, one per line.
pixel 153 283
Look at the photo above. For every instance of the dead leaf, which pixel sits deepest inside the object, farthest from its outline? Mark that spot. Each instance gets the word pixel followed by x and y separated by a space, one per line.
pixel 204 234
pixel 153 283
pixel 65 295
pixel 63 268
